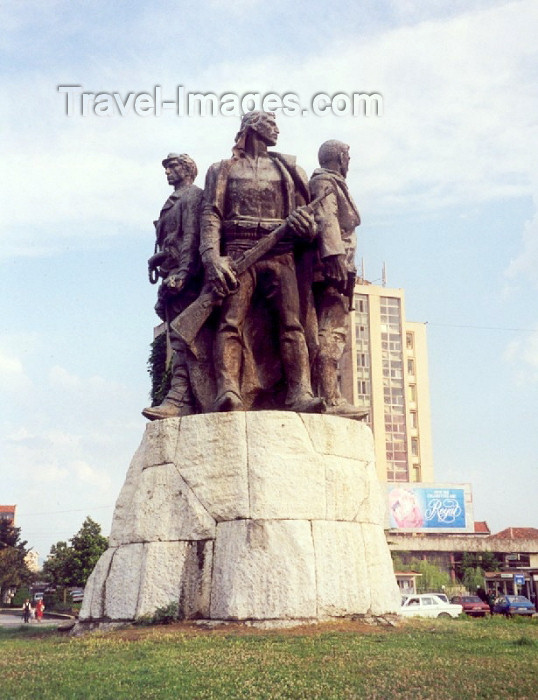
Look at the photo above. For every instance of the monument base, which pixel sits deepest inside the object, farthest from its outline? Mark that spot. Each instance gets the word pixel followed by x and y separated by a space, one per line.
pixel 269 517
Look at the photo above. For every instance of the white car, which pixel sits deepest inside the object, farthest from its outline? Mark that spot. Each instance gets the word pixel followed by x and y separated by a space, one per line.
pixel 428 605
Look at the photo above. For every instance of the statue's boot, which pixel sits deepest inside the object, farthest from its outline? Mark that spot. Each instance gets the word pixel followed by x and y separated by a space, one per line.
pixel 227 353
pixel 294 353
pixel 229 401
pixel 167 409
pixel 347 410
pixel 306 403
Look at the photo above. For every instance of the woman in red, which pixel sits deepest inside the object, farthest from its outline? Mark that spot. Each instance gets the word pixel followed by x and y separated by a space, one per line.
pixel 39 610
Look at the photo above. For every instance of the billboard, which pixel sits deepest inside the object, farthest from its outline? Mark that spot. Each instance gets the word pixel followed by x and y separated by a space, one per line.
pixel 421 507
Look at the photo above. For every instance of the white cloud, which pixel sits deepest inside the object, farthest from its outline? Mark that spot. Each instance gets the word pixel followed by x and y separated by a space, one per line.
pixel 525 265
pixel 94 387
pixel 13 378
pixel 457 127
pixel 49 473
pixel 87 474
pixel 522 355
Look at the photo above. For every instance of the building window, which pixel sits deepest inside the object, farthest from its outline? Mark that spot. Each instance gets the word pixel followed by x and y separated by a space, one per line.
pixel 409 341
pixel 412 393
pixel 413 419
pixel 362 357
pixel 393 389
pixel 411 366
pixel 414 447
pixel 362 360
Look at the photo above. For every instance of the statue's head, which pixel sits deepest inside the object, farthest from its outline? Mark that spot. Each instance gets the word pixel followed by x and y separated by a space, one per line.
pixel 179 167
pixel 334 155
pixel 263 124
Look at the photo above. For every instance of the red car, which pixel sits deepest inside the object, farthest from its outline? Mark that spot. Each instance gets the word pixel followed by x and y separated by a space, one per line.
pixel 472 605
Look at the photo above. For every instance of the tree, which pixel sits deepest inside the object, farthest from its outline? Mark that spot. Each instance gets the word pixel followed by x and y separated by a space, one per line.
pixel 57 567
pixel 474 560
pixel 13 568
pixel 473 578
pixel 433 577
pixel 71 565
pixel 472 567
pixel 88 545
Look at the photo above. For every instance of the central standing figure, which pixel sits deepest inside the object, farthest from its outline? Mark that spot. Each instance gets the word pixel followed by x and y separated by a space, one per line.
pixel 245 198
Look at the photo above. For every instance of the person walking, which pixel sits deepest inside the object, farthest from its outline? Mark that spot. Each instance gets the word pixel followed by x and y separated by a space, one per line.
pixel 39 608
pixel 26 610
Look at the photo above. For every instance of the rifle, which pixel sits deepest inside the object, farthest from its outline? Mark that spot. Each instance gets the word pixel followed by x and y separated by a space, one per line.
pixel 188 323
pixel 350 290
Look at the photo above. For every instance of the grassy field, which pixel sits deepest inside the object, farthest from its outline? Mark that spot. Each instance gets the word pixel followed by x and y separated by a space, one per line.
pixel 467 658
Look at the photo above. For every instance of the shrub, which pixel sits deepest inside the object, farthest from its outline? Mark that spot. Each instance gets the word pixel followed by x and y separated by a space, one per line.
pixel 20 596
pixel 162 616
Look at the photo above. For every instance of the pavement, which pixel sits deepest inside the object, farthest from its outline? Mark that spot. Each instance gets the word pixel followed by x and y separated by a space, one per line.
pixel 14 619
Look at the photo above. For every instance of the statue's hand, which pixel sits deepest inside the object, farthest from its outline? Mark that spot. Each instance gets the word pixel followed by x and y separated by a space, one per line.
pixel 301 222
pixel 220 274
pixel 335 270
pixel 175 283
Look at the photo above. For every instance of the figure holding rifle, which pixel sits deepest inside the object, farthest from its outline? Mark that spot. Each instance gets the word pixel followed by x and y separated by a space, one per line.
pixel 246 198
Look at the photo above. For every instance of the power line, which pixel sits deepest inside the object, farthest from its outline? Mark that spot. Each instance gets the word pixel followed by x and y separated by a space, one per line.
pixel 55 512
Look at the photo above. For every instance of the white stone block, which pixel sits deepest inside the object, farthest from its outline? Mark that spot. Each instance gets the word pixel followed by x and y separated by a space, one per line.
pixel 343 583
pixel 385 594
pixel 263 570
pixel 347 488
pixel 160 441
pixel 93 604
pixel 177 572
pixel 123 583
pixel 341 437
pixel 286 477
pixel 127 494
pixel 211 457
pixel 162 508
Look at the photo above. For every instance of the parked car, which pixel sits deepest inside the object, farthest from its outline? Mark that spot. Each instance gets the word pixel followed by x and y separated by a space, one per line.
pixel 428 605
pixel 443 596
pixel 77 595
pixel 472 605
pixel 513 605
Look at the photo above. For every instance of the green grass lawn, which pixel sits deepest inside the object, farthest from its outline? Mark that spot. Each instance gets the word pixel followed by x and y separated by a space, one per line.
pixel 467 658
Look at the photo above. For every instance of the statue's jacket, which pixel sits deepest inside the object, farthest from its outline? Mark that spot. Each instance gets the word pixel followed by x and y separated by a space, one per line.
pixel 178 231
pixel 336 217
pixel 229 216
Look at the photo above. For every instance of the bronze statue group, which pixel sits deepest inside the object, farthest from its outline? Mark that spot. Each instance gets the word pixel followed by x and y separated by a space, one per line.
pixel 258 275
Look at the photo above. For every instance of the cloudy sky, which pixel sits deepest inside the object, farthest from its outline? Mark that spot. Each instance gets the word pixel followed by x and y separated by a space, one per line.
pixel 446 181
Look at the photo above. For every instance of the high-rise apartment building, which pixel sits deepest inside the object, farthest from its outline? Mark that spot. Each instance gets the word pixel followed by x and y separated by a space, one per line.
pixel 385 368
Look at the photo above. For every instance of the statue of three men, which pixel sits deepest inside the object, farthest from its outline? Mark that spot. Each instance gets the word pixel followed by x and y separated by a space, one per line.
pixel 279 327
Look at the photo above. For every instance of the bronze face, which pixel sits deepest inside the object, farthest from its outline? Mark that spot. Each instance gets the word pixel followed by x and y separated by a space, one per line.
pixel 344 161
pixel 175 172
pixel 267 129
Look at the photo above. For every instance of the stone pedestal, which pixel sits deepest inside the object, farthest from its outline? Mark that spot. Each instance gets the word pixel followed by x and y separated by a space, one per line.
pixel 259 516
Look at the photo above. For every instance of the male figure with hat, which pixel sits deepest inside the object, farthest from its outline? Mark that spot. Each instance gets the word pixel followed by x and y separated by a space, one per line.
pixel 335 272
pixel 245 198
pixel 177 262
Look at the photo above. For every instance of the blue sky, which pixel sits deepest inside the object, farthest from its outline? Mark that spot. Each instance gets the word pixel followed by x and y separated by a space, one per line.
pixel 446 182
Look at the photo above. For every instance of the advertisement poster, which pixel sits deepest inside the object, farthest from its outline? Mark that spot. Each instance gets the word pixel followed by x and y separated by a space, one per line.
pixel 428 507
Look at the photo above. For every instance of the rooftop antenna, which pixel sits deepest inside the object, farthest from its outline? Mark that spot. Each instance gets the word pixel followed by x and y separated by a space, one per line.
pixel 362 269
pixel 384 275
